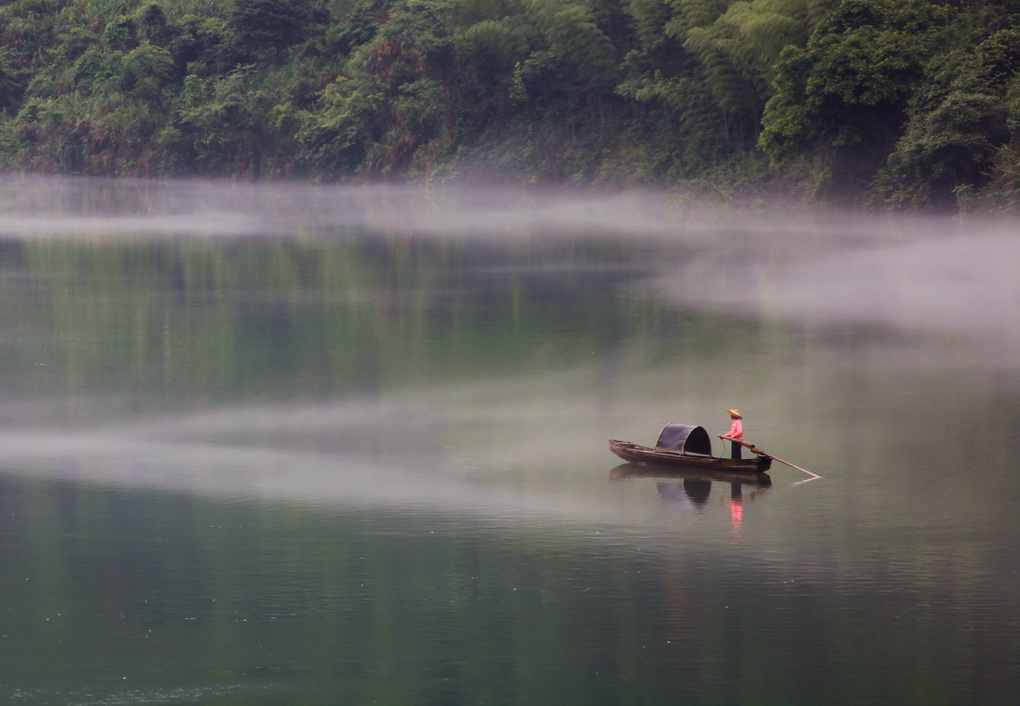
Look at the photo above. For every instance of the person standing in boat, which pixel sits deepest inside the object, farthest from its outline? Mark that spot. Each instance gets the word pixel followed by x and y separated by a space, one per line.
pixel 736 432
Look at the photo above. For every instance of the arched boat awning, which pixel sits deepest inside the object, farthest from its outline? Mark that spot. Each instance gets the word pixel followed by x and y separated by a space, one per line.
pixel 685 438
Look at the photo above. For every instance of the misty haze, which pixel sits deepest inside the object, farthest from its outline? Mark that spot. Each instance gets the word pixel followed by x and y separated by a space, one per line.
pixel 299 444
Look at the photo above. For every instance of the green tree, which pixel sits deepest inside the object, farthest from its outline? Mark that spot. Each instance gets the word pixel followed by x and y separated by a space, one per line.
pixel 849 86
pixel 152 23
pixel 261 25
pixel 574 41
pixel 146 72
pixel 11 83
pixel 335 139
pixel 229 125
pixel 200 45
pixel 959 122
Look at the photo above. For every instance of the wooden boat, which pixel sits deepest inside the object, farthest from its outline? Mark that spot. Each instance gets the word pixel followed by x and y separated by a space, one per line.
pixel 635 453
pixel 687 446
pixel 633 471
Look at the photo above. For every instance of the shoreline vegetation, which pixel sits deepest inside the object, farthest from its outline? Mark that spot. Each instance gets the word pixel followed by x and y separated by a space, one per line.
pixel 903 104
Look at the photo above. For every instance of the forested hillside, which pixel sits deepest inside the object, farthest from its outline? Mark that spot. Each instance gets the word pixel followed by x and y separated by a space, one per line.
pixel 911 103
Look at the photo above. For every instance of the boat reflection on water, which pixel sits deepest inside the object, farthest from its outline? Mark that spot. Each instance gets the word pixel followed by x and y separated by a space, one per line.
pixel 686 489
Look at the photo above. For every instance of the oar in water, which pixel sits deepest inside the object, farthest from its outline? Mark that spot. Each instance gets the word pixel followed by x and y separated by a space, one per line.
pixel 756 450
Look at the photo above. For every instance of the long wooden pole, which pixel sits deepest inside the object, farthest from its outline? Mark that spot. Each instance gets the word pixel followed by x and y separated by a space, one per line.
pixel 756 450
pixel 791 465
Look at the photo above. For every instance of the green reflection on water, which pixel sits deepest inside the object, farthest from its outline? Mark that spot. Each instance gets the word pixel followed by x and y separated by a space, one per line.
pixel 190 322
pixel 382 476
pixel 125 596
pixel 288 605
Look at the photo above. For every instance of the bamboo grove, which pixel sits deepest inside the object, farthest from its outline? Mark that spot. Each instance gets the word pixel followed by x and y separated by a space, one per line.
pixel 910 103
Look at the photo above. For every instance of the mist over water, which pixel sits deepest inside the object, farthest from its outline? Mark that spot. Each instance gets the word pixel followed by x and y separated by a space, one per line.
pixel 364 428
pixel 908 276
pixel 780 260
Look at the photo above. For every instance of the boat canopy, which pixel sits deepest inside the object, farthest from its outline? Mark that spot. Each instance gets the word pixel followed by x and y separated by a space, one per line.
pixel 685 438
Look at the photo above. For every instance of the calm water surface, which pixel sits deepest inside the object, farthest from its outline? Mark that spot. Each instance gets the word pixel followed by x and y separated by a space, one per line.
pixel 298 445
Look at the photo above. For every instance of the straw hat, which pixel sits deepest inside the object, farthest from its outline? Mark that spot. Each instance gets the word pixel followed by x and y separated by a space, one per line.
pixel 734 413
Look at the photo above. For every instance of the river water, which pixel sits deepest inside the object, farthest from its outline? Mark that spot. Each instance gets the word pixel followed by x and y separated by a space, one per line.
pixel 317 445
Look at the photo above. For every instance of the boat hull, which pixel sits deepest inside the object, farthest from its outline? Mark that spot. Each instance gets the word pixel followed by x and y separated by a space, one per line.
pixel 635 453
pixel 634 471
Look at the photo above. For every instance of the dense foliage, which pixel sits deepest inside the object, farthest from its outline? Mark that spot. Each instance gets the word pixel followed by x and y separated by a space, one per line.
pixel 908 102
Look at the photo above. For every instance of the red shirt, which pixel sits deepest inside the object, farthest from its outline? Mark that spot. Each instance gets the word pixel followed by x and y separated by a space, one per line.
pixel 736 430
